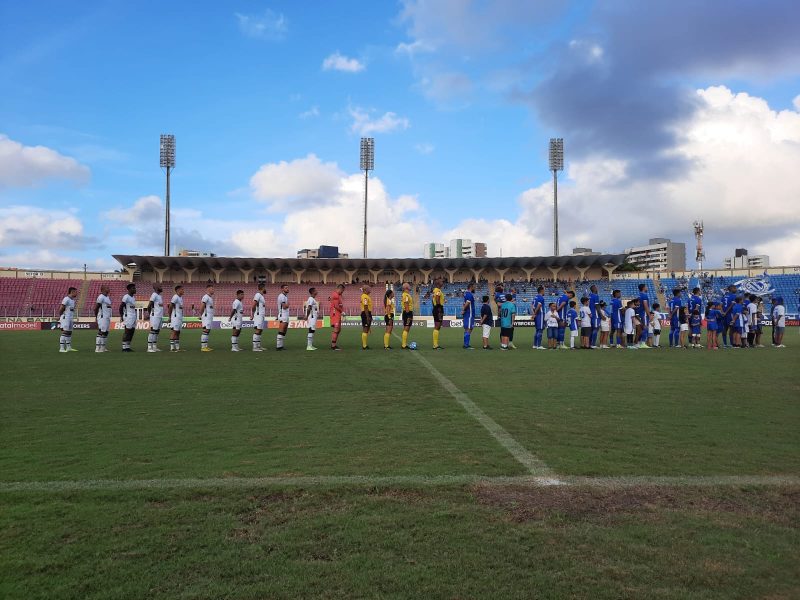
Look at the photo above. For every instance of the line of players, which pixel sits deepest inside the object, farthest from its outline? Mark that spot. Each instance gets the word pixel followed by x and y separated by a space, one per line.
pixel 635 323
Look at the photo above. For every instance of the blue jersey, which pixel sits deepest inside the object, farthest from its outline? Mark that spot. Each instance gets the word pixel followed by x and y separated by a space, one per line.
pixel 499 298
pixel 736 313
pixel 594 300
pixel 675 305
pixel 644 299
pixel 616 313
pixel 695 302
pixel 572 319
pixel 507 312
pixel 486 311
pixel 711 319
pixel 469 298
pixel 538 302
pixel 728 300
pixel 696 321
pixel 562 307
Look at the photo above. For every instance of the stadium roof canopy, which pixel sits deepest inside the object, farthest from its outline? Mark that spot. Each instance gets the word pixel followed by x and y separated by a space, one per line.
pixel 370 264
pixel 221 268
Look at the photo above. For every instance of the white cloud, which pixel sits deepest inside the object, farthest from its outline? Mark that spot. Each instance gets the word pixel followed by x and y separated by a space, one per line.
pixel 310 113
pixel 25 166
pixel 303 181
pixel 363 124
pixel 144 211
pixel 270 26
pixel 445 87
pixel 414 48
pixel 33 226
pixel 424 148
pixel 339 62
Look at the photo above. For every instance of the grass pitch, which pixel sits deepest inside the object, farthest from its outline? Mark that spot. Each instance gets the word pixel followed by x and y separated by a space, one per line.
pixel 144 443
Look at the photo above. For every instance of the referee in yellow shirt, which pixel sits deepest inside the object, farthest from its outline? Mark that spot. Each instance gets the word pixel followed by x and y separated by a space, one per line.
pixel 437 299
pixel 366 316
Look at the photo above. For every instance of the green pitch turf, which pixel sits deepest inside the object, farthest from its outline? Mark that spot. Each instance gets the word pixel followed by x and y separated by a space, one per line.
pixel 84 417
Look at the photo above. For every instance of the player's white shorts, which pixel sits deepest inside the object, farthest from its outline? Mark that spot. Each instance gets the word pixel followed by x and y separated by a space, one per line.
pixel 155 323
pixel 177 323
pixel 487 331
pixel 605 325
pixel 684 327
pixel 207 322
pixel 236 323
pixel 258 322
pixel 629 330
pixel 283 316
pixel 573 333
pixel 130 322
pixel 66 324
pixel 103 325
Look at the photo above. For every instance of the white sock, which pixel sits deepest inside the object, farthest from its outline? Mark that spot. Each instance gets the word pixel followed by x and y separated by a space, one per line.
pixel 234 341
pixel 571 342
pixel 657 339
pixel 280 340
pixel 310 339
pixel 204 340
pixel 68 341
pixel 62 342
pixel 256 340
pixel 98 341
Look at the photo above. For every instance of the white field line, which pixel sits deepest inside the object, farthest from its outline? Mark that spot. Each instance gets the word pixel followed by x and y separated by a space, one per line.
pixel 253 483
pixel 532 464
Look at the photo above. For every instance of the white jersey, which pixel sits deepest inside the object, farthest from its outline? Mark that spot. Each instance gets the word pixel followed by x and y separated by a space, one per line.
pixel 238 313
pixel 779 316
pixel 586 316
pixel 158 306
pixel 283 313
pixel 69 312
pixel 177 310
pixel 129 311
pixel 261 305
pixel 752 310
pixel 104 314
pixel 208 301
pixel 628 325
pixel 313 314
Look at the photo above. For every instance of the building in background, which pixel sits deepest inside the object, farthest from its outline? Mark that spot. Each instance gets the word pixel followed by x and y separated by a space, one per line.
pixel 742 260
pixel 322 252
pixel 195 253
pixel 458 248
pixel 584 252
pixel 434 250
pixel 660 254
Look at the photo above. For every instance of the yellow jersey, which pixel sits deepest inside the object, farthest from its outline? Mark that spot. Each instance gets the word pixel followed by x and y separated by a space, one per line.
pixel 408 302
pixel 366 303
pixel 388 307
pixel 437 297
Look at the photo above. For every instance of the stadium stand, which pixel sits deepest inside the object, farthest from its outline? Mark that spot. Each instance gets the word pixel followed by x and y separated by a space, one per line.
pixel 41 297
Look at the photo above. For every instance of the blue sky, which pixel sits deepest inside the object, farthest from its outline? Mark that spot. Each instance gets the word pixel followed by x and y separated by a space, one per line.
pixel 670 113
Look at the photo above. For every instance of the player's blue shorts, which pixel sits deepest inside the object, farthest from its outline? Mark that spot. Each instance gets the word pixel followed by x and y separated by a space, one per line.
pixel 711 325
pixel 644 318
pixel 469 322
pixel 696 330
pixel 737 328
pixel 674 323
pixel 595 322
pixel 538 322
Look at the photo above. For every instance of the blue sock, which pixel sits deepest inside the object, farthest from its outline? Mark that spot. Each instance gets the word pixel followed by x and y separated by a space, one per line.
pixel 560 336
pixel 724 337
pixel 537 338
pixel 466 338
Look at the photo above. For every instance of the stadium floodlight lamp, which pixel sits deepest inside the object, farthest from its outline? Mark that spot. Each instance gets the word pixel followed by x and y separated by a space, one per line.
pixel 556 154
pixel 556 165
pixel 367 165
pixel 167 161
pixel 367 154
pixel 167 153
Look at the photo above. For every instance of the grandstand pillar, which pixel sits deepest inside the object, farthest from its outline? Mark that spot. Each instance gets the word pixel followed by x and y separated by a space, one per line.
pixel 245 274
pixel 160 274
pixel 273 273
pixel 450 273
pixel 555 271
pixel 528 272
pixel 610 270
pixel 502 273
pixel 131 271
pixel 375 274
pixel 298 273
pixel 350 275
pixel 476 273
pixel 324 273
pixel 401 274
pixel 426 274
pixel 582 271
pixel 189 273
pixel 217 273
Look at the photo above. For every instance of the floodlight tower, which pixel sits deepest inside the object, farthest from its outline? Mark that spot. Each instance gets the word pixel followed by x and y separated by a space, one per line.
pixel 367 165
pixel 167 162
pixel 700 257
pixel 556 165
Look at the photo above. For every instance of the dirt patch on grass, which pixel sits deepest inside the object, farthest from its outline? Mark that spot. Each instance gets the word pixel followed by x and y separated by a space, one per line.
pixel 779 505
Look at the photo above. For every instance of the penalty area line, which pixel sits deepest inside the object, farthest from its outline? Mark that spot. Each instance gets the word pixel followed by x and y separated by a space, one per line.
pixel 311 481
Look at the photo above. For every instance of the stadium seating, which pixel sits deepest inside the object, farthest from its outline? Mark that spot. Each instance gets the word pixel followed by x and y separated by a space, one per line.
pixel 41 297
